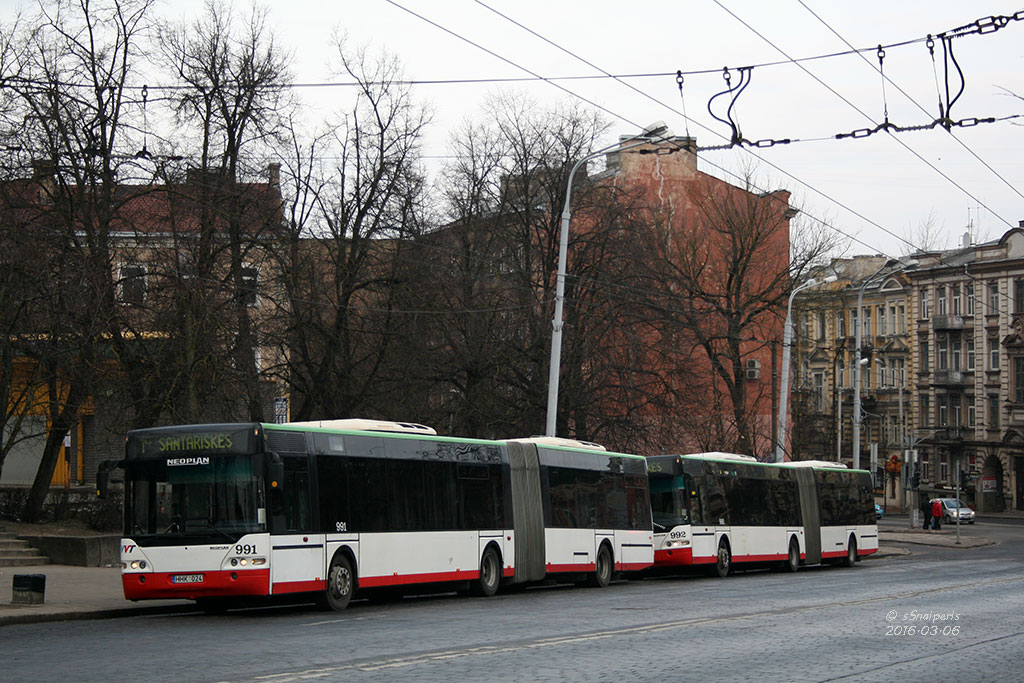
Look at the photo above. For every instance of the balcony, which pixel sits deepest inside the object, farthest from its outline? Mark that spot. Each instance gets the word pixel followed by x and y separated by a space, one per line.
pixel 947 322
pixel 949 378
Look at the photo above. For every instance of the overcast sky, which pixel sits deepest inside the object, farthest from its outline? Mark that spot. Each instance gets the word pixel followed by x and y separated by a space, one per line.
pixel 875 188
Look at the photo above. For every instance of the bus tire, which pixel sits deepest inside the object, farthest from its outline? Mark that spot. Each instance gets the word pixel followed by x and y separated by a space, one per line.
pixel 793 559
pixel 341 583
pixel 723 563
pixel 851 553
pixel 486 584
pixel 602 575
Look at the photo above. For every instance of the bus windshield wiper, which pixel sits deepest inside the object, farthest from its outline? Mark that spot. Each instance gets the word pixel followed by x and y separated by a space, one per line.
pixel 220 531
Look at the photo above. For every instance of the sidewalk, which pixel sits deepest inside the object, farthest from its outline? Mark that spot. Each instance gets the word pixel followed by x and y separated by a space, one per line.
pixel 95 592
pixel 77 593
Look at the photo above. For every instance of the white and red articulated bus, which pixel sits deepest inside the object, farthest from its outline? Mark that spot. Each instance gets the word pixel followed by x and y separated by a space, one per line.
pixel 727 511
pixel 218 513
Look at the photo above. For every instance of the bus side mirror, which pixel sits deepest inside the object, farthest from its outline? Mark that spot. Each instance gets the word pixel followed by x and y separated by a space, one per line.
pixel 103 476
pixel 275 476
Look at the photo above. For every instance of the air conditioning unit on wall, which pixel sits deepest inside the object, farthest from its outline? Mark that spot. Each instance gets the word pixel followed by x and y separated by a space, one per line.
pixel 753 369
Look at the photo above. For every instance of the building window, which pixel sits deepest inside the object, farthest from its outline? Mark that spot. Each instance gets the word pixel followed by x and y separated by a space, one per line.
pixel 132 285
pixel 247 292
pixel 925 358
pixel 993 298
pixel 941 357
pixel 926 307
pixel 841 374
pixel 881 373
pixel 926 470
pixel 901 317
pixel 993 353
pixel 840 324
pixel 926 410
pixel 865 331
pixel 1018 379
pixel 940 299
pixel 956 350
pixel 821 326
pixel 943 406
pixel 970 354
pixel 943 468
pixel 993 412
pixel 955 297
pixel 1018 296
pixel 971 412
pixel 956 410
pixel 969 299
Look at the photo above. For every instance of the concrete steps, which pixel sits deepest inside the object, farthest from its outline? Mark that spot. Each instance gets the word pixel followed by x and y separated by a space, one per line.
pixel 17 553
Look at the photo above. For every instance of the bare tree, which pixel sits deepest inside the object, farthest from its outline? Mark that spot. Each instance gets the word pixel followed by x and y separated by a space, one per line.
pixel 74 63
pixel 348 225
pixel 720 275
pixel 235 105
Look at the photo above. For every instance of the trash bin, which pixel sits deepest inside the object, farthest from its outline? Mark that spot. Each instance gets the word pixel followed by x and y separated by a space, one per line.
pixel 29 589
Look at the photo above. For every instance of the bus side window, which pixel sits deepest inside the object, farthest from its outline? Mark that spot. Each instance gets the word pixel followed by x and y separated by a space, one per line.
pixel 291 509
pixel 692 492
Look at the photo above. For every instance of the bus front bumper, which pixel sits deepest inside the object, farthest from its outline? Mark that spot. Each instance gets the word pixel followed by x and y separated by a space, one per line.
pixel 196 584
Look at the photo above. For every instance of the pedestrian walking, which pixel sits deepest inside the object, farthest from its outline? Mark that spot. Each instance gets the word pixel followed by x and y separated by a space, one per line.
pixel 926 513
pixel 937 514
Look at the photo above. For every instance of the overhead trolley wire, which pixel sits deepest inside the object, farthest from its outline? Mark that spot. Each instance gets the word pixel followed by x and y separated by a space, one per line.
pixel 862 113
pixel 713 132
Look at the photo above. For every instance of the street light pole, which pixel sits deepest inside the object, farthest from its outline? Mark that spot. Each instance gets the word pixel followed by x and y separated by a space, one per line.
pixel 857 362
pixel 787 342
pixel 654 132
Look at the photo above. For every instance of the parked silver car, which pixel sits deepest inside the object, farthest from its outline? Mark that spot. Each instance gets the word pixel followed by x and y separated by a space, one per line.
pixel 953 508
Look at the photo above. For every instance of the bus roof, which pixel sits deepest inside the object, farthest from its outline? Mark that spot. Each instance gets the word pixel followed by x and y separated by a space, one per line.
pixel 823 464
pixel 558 441
pixel 362 425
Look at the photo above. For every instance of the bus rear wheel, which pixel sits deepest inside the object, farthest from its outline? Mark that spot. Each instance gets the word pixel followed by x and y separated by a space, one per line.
pixel 490 574
pixel 793 559
pixel 602 575
pixel 723 564
pixel 340 583
pixel 851 553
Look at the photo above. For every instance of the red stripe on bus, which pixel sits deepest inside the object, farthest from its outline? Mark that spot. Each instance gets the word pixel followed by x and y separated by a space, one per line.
pixel 632 566
pixel 833 553
pixel 508 571
pixel 867 551
pixel 399 579
pixel 772 557
pixel 158 585
pixel 583 567
pixel 299 586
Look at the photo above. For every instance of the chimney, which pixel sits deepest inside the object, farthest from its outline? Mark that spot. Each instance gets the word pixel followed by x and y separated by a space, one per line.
pixel 274 174
pixel 966 241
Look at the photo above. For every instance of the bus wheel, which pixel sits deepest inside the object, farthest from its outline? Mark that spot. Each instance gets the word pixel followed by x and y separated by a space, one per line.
pixel 340 583
pixel 490 574
pixel 851 553
pixel 602 575
pixel 793 559
pixel 724 563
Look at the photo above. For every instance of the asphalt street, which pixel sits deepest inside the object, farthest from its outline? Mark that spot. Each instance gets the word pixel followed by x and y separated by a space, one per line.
pixel 934 613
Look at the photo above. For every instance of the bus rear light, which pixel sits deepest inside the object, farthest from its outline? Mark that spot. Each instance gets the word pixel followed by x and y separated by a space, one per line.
pixel 243 562
pixel 259 560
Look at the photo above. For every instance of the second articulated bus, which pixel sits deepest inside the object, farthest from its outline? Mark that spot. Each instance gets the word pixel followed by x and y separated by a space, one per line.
pixel 721 510
pixel 224 511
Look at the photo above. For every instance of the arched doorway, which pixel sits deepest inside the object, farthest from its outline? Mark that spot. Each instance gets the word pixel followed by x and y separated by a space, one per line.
pixel 990 492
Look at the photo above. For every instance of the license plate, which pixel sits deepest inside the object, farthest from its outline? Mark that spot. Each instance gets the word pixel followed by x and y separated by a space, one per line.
pixel 187 578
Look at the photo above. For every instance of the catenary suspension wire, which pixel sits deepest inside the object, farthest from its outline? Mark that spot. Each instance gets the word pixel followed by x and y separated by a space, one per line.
pixel 911 99
pixel 862 113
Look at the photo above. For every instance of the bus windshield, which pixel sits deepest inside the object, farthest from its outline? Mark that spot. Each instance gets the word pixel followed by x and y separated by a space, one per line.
pixel 218 496
pixel 668 502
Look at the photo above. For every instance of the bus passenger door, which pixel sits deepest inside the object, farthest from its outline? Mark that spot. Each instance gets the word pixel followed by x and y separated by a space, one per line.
pixel 297 563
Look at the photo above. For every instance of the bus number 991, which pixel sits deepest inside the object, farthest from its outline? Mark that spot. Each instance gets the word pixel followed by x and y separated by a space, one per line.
pixel 245 549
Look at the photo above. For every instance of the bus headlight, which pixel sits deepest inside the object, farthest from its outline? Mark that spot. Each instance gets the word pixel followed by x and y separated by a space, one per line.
pixel 677 544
